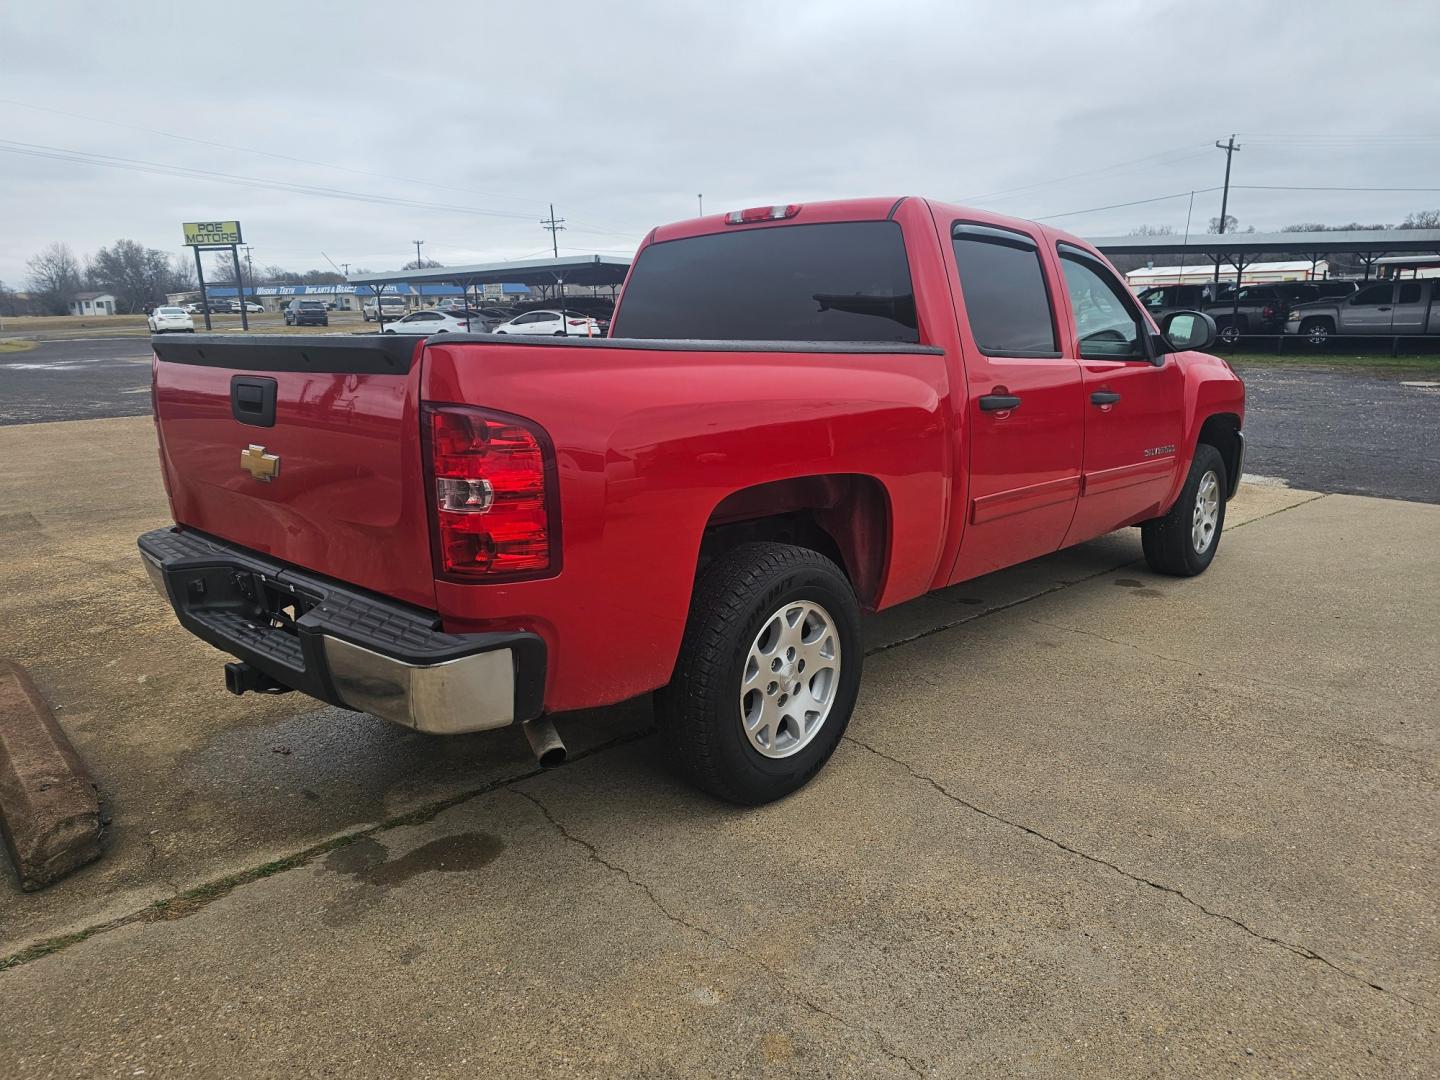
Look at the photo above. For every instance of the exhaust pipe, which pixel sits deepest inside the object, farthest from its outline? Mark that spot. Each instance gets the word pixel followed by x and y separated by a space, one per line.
pixel 545 742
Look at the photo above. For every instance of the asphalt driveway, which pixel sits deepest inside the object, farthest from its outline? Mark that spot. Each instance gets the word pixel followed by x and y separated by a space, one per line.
pixel 1087 821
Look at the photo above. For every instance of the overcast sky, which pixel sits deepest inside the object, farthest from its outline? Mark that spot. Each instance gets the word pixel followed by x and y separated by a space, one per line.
pixel 621 113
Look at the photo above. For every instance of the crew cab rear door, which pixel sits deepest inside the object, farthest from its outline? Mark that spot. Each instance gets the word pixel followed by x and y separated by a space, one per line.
pixel 1023 407
pixel 1410 308
pixel 1134 401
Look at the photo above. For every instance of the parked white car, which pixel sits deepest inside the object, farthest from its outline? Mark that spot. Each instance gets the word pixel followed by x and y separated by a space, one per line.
pixel 251 305
pixel 553 323
pixel 425 323
pixel 165 320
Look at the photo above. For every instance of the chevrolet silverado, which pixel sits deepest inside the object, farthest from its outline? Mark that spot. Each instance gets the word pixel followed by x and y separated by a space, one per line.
pixel 802 411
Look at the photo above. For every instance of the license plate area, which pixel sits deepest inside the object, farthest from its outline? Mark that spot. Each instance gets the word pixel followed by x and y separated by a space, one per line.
pixel 263 603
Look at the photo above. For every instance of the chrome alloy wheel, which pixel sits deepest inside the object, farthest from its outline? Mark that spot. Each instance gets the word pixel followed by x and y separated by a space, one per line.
pixel 790 679
pixel 1207 513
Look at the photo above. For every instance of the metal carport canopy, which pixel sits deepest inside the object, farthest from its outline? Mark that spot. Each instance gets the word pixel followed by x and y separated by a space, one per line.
pixel 1309 243
pixel 571 270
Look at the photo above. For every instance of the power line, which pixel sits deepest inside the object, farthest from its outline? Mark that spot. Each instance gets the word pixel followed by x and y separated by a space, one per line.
pixel 1186 151
pixel 1136 202
pixel 83 157
pixel 583 227
pixel 264 153
pixel 1284 187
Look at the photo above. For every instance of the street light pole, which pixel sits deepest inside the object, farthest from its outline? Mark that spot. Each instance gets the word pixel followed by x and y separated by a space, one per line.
pixel 702 204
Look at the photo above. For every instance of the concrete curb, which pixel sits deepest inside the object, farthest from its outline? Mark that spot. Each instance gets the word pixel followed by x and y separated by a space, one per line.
pixel 49 805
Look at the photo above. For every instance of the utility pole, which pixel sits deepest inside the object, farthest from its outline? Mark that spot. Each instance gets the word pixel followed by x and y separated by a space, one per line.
pixel 419 263
pixel 249 264
pixel 556 227
pixel 702 204
pixel 1229 148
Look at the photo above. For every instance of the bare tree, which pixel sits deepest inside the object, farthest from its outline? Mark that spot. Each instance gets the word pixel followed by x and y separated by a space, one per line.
pixel 55 277
pixel 1126 263
pixel 182 274
pixel 138 276
pixel 422 264
pixel 1422 219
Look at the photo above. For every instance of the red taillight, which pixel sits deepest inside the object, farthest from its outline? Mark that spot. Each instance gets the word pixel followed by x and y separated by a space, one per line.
pixel 492 513
pixel 1267 313
pixel 761 213
pixel 576 322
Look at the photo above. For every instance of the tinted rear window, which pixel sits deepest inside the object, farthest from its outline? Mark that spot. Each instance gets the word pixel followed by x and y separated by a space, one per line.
pixel 838 281
pixel 1004 289
pixel 312 303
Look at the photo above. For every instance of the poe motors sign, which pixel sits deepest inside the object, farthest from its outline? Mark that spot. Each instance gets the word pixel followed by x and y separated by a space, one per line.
pixel 212 236
pixel 212 233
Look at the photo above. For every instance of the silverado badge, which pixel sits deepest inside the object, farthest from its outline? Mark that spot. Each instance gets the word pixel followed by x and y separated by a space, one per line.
pixel 262 466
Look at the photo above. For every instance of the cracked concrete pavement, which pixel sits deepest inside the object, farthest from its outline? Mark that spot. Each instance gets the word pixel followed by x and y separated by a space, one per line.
pixel 1086 821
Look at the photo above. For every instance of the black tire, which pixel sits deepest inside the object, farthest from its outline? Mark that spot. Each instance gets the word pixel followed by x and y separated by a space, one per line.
pixel 1316 332
pixel 1230 334
pixel 699 711
pixel 1168 541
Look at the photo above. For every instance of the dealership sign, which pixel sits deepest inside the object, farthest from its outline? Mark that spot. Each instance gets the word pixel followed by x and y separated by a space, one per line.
pixel 206 233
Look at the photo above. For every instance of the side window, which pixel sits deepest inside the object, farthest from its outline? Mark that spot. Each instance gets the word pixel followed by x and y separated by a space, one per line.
pixel 1375 294
pixel 1409 293
pixel 1154 299
pixel 1106 325
pixel 1004 290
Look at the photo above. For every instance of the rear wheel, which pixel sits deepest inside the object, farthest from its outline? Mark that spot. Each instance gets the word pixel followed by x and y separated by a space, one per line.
pixel 1230 334
pixel 767 676
pixel 1184 541
pixel 1316 332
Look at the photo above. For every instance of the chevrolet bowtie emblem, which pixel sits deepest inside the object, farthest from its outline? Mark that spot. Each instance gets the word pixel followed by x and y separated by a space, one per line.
pixel 262 466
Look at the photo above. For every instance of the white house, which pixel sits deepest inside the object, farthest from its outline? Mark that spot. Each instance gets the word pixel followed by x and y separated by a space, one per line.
pixel 93 303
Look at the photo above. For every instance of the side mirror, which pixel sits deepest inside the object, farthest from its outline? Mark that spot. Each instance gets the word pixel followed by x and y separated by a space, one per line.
pixel 1183 331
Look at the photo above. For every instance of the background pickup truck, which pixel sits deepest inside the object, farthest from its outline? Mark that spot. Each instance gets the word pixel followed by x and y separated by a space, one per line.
pixel 1254 310
pixel 1382 309
pixel 804 411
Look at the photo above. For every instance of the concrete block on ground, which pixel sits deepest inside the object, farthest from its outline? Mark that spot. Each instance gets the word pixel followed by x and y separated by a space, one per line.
pixel 49 805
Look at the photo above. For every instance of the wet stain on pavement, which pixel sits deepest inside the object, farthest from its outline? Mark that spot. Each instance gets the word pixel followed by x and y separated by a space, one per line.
pixel 365 859
pixel 1141 589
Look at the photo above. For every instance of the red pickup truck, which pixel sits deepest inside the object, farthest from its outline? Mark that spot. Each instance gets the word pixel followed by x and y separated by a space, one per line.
pixel 802 411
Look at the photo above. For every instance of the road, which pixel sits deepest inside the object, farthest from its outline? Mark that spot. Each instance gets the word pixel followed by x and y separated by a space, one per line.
pixel 1354 433
pixel 1087 821
pixel 75 380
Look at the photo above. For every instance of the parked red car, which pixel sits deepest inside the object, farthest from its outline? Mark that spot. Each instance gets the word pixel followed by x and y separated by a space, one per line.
pixel 804 411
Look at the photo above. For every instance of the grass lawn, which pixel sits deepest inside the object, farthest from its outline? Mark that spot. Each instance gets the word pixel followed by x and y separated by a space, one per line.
pixel 63 327
pixel 1378 359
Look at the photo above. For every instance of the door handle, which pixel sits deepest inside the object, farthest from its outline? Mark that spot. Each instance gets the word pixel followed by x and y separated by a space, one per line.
pixel 1104 397
pixel 1385 308
pixel 998 402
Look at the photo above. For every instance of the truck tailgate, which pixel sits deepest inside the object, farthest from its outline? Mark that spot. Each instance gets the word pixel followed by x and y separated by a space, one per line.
pixel 306 449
